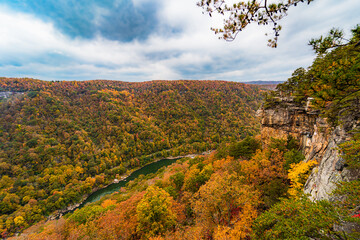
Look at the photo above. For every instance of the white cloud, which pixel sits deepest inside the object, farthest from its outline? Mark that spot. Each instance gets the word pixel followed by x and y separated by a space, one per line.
pixel 193 53
pixel 24 34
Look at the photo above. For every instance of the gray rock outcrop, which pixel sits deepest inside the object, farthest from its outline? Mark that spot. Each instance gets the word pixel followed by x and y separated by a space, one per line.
pixel 318 141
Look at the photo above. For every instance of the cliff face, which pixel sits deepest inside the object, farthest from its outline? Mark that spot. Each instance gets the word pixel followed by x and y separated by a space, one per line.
pixel 317 141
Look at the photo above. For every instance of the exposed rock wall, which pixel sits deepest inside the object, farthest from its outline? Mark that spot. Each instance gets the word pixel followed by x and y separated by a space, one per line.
pixel 317 140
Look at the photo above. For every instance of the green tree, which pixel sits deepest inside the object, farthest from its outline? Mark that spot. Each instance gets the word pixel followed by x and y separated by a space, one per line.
pixel 178 180
pixel 197 176
pixel 246 148
pixel 334 39
pixel 348 192
pixel 293 86
pixel 86 213
pixel 154 212
pixel 297 219
pixel 332 81
pixel 292 157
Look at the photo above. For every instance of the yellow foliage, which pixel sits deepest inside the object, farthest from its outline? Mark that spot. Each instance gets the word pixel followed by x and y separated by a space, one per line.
pixel 298 175
pixel 221 164
pixel 110 91
pixel 19 221
pixel 126 93
pixel 79 169
pixel 154 213
pixel 90 180
pixel 26 199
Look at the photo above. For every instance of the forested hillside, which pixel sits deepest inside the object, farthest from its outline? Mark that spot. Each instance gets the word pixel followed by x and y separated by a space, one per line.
pixel 254 188
pixel 60 140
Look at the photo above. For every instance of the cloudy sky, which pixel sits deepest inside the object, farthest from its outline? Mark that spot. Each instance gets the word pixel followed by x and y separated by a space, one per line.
pixel 140 40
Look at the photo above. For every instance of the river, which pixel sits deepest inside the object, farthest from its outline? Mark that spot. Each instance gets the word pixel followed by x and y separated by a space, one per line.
pixel 114 187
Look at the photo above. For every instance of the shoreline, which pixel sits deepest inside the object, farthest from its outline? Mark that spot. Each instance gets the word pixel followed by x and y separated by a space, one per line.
pixel 59 213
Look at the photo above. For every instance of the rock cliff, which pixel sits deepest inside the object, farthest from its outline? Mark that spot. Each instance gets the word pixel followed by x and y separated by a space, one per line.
pixel 317 141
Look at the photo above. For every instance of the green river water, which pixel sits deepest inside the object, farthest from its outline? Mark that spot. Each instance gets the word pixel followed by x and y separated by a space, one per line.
pixel 114 187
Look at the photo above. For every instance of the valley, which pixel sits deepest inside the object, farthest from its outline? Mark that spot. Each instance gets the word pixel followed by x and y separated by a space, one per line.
pixel 60 141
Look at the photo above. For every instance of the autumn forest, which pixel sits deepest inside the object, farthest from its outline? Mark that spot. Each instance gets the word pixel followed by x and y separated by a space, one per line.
pixel 62 140
pixel 248 159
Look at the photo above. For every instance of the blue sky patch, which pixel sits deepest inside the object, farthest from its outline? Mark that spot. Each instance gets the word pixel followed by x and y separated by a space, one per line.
pixel 115 20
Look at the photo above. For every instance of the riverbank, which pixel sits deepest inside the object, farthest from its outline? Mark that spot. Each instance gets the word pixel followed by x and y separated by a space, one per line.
pixel 59 213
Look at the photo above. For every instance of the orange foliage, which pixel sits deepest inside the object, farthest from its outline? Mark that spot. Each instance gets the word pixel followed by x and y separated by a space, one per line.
pixel 121 222
pixel 107 203
pixel 52 230
pixel 226 204
pixel 264 166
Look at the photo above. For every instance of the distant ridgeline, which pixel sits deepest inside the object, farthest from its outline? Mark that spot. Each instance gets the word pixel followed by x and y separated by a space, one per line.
pixel 269 85
pixel 260 82
pixel 60 140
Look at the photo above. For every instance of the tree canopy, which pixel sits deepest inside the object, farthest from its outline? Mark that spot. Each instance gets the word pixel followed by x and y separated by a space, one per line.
pixel 238 16
pixel 332 81
pixel 60 140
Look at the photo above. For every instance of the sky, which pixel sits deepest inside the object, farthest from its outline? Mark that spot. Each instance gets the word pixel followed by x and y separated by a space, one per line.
pixel 142 40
